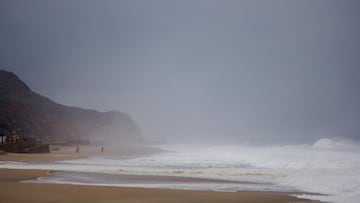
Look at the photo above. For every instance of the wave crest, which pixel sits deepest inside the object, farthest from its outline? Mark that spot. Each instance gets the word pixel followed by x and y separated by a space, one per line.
pixel 335 143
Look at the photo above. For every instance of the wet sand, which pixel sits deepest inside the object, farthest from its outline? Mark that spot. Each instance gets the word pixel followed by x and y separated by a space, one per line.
pixel 14 191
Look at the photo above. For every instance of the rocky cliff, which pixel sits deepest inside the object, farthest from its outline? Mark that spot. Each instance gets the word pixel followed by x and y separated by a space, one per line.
pixel 38 117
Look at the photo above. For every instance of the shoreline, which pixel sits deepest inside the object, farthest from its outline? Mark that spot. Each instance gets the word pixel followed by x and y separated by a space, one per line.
pixel 15 191
pixel 61 153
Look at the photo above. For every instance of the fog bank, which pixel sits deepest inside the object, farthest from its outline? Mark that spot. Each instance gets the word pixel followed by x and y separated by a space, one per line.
pixel 195 71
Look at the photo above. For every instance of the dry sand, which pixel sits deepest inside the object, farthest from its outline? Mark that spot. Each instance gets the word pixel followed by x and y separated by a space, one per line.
pixel 61 152
pixel 14 191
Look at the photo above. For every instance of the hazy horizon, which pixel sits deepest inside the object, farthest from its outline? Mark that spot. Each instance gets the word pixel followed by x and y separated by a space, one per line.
pixel 195 71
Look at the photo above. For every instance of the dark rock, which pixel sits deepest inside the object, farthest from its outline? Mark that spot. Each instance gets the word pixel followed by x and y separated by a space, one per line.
pixel 37 117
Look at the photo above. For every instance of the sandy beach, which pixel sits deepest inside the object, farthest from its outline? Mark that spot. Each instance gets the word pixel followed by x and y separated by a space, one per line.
pixel 12 190
pixel 62 152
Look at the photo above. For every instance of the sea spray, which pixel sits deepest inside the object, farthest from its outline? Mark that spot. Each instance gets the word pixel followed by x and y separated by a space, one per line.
pixel 331 171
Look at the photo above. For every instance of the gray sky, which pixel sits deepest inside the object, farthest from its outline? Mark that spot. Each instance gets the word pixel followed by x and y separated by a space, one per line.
pixel 190 71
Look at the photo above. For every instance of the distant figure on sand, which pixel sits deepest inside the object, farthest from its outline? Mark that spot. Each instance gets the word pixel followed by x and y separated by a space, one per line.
pixel 102 149
pixel 77 149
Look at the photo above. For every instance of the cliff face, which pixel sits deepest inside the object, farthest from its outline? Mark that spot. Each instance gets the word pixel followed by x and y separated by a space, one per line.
pixel 36 116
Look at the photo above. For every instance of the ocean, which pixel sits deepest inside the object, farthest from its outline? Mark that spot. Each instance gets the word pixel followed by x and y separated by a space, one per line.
pixel 328 170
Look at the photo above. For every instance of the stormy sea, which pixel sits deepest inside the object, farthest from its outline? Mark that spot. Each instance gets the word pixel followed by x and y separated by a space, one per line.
pixel 327 170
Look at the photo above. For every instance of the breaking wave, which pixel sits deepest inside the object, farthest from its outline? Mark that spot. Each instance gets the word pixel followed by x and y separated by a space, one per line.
pixel 329 166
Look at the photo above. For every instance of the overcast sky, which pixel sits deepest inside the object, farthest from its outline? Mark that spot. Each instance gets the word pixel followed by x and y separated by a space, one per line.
pixel 189 71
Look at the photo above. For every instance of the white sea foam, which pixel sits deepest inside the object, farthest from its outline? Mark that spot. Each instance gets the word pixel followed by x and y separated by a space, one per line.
pixel 329 166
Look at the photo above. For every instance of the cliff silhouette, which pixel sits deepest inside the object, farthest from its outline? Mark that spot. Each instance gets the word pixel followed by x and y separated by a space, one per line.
pixel 37 117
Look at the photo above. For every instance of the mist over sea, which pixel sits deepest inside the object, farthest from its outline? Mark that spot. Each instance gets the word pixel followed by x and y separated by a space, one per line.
pixel 127 73
pixel 327 170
